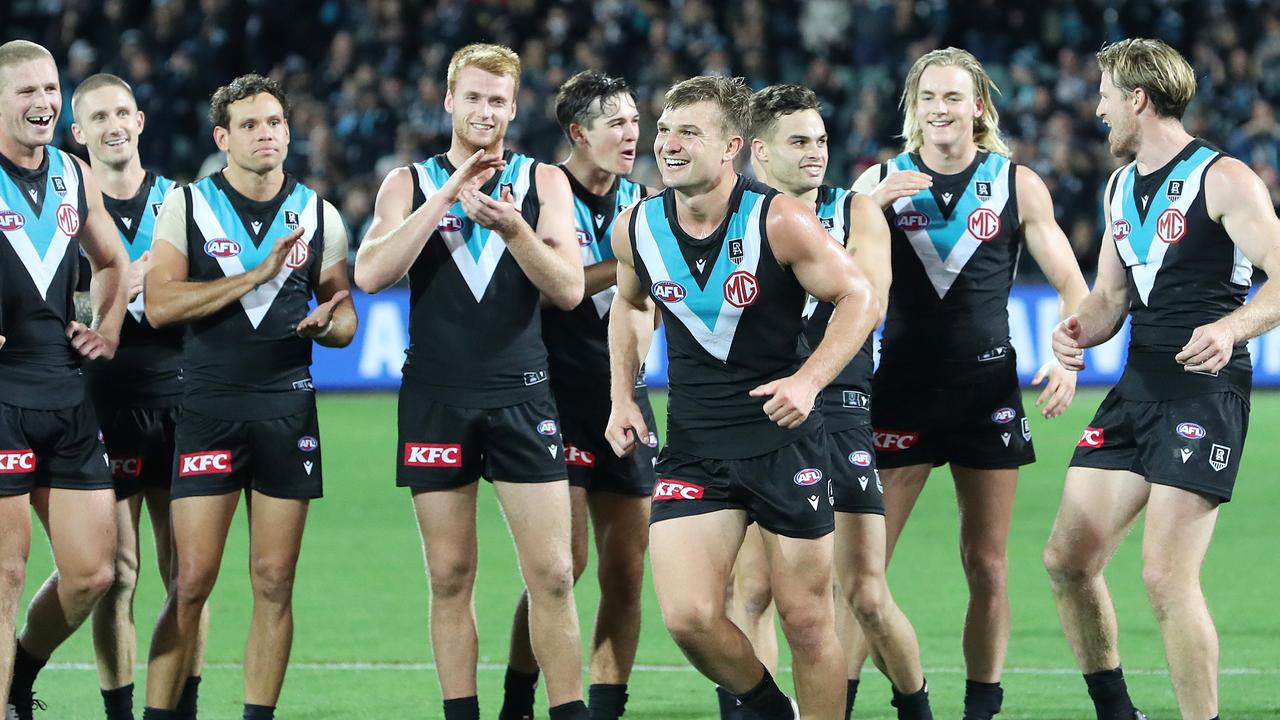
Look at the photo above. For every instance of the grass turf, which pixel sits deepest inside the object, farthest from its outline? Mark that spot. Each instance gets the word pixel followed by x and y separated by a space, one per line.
pixel 361 648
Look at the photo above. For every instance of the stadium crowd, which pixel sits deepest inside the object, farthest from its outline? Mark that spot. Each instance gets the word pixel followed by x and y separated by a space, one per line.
pixel 366 78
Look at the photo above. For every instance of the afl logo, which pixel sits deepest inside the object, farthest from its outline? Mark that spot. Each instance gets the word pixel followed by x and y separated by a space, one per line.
pixel 547 427
pixel 299 254
pixel 984 224
pixel 306 443
pixel 222 248
pixel 741 289
pixel 1191 431
pixel 450 223
pixel 68 220
pixel 1120 230
pixel 808 476
pixel 10 221
pixel 1172 225
pixel 583 239
pixel 861 458
pixel 912 220
pixel 668 291
pixel 1004 416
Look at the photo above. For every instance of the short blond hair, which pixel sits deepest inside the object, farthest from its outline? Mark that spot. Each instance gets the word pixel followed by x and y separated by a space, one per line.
pixel 986 128
pixel 731 95
pixel 1162 73
pixel 16 52
pixel 491 58
pixel 96 81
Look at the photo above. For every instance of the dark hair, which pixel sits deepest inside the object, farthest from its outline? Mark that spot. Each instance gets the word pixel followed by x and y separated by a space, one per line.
pixel 245 86
pixel 729 94
pixel 771 103
pixel 576 100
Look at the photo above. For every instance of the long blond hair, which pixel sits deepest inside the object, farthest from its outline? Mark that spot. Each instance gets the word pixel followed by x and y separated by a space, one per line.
pixel 986 128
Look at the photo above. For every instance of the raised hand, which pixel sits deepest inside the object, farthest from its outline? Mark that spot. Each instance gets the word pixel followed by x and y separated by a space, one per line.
pixel 498 215
pixel 473 173
pixel 904 183
pixel 318 323
pixel 271 264
pixel 1066 344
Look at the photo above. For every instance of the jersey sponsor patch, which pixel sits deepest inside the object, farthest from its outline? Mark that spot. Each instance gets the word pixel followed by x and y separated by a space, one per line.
pixel 128 466
pixel 221 248
pixel 1004 416
pixel 212 462
pixel 432 455
pixel 299 254
pixel 984 224
pixel 10 221
pixel 671 489
pixel 889 441
pixel 68 219
pixel 1190 430
pixel 1171 226
pixel 1120 229
pixel 741 289
pixel 668 291
pixel 912 220
pixel 578 457
pixel 1093 437
pixel 861 458
pixel 17 462
pixel 807 477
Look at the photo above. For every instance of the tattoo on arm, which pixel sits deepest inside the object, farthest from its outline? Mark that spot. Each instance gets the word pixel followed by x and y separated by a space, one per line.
pixel 84 308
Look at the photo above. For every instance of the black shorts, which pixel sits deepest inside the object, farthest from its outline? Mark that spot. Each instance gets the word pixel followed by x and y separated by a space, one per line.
pixel 140 443
pixel 445 446
pixel 279 457
pixel 979 424
pixel 1192 443
pixel 591 462
pixel 51 448
pixel 787 491
pixel 854 477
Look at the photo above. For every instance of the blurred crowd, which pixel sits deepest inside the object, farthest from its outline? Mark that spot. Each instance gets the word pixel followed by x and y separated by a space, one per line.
pixel 367 77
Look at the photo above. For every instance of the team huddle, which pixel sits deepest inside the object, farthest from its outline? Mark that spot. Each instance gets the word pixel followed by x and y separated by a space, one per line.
pixel 155 348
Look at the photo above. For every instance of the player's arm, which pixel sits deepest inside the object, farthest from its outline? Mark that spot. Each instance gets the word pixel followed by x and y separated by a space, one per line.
pixel 110 263
pixel 1237 198
pixel 332 322
pixel 869 244
pixel 631 323
pixel 1052 252
pixel 897 184
pixel 600 276
pixel 826 272
pixel 548 254
pixel 398 232
pixel 1101 314
pixel 171 298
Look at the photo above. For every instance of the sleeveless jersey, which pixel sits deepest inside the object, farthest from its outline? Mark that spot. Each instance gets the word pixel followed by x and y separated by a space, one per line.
pixel 578 340
pixel 147 368
pixel 245 362
pixel 41 213
pixel 733 319
pixel 1183 271
pixel 954 251
pixel 475 331
pixel 847 399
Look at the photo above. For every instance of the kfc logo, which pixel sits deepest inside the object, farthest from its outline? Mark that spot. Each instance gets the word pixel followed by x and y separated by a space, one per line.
pixel 123 467
pixel 669 489
pixel 894 441
pixel 213 462
pixel 17 462
pixel 431 455
pixel 577 457
pixel 1092 438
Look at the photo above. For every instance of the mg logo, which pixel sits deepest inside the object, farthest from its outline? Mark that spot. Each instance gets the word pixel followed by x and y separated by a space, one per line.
pixel 741 289
pixel 299 254
pixel 912 220
pixel 984 224
pixel 450 223
pixel 68 220
pixel 16 462
pixel 222 248
pixel 10 221
pixel 213 462
pixel 668 291
pixel 1172 225
pixel 668 489
pixel 432 455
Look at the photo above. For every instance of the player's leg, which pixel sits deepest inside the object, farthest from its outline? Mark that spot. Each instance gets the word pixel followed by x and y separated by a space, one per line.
pixel 750 599
pixel 199 524
pixel 538 515
pixel 447 522
pixel 621 524
pixel 157 502
pixel 115 640
pixel 521 680
pixel 15 545
pixel 800 572
pixel 275 541
pixel 1098 507
pixel 985 501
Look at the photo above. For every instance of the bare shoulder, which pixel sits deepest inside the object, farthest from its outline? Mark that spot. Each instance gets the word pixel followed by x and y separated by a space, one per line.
pixel 550 177
pixel 1230 184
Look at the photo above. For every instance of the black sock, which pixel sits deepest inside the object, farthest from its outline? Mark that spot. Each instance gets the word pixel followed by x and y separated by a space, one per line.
pixel 606 702
pixel 764 701
pixel 1110 694
pixel 259 712
pixel 851 694
pixel 728 704
pixel 463 708
pixel 982 701
pixel 187 703
pixel 25 668
pixel 518 690
pixel 576 710
pixel 119 703
pixel 914 706
pixel 151 713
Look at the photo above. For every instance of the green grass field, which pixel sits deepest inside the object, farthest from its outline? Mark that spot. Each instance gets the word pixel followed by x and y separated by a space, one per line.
pixel 361 647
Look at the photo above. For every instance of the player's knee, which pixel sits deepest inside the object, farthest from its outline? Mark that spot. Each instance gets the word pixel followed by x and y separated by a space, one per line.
pixel 193 586
pixel 807 625
pixel 755 596
pixel 89 586
pixel 1165 582
pixel 551 579
pixel 870 605
pixel 126 574
pixel 986 570
pixel 690 624
pixel 1065 566
pixel 273 580
pixel 452 579
pixel 13 573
